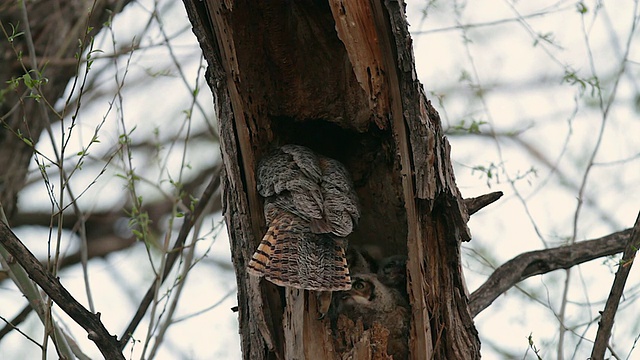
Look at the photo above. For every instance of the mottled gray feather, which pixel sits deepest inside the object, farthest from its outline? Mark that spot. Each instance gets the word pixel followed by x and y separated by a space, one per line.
pixel 289 255
pixel 294 170
pixel 309 200
pixel 319 188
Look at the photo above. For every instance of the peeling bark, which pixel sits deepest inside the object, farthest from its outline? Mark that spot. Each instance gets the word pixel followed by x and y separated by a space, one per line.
pixel 338 77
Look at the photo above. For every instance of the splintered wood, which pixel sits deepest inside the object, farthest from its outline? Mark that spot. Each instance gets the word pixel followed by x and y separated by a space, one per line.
pixel 355 343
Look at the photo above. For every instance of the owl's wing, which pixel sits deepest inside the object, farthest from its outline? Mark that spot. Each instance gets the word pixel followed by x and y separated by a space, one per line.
pixel 340 207
pixel 306 160
pixel 292 172
pixel 289 255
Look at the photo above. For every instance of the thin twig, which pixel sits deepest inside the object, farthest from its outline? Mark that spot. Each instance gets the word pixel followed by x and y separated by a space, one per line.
pixel 189 221
pixel 490 23
pixel 173 305
pixel 17 320
pixel 54 289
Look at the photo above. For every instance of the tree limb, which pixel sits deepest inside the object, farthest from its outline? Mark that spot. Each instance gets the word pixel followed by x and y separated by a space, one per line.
pixel 52 286
pixel 101 227
pixel 22 316
pixel 97 248
pixel 59 30
pixel 540 262
pixel 611 307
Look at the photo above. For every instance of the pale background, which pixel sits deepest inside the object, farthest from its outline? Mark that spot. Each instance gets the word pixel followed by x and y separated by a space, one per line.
pixel 502 57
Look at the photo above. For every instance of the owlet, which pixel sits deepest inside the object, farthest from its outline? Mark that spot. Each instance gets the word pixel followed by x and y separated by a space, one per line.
pixel 310 207
pixel 392 272
pixel 372 301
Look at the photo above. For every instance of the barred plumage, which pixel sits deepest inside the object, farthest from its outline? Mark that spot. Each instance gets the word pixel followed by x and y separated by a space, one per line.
pixel 310 207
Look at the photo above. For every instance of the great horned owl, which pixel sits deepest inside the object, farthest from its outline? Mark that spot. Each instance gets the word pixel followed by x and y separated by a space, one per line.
pixel 372 301
pixel 392 271
pixel 360 261
pixel 310 207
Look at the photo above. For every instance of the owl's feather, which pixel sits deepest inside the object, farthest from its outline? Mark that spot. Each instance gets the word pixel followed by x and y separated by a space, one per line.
pixel 310 207
pixel 392 272
pixel 340 210
pixel 370 301
pixel 293 171
pixel 315 188
pixel 289 255
pixel 360 261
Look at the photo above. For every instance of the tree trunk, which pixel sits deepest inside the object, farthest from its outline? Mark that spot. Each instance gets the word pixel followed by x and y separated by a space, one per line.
pixel 338 77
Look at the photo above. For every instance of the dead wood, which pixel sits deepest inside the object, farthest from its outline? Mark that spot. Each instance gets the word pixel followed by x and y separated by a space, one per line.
pixel 338 77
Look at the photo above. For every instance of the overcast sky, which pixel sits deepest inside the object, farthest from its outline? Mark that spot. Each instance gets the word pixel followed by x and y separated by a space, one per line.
pixel 517 64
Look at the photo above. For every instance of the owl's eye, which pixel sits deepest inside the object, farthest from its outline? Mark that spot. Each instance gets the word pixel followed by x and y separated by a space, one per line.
pixel 359 285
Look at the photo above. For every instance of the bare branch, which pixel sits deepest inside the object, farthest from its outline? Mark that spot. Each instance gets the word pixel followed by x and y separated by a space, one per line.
pixel 475 204
pixel 611 307
pixel 52 286
pixel 18 319
pixel 102 235
pixel 97 248
pixel 540 262
pixel 189 221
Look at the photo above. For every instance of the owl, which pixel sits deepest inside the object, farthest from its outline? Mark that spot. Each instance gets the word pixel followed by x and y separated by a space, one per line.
pixel 310 208
pixel 372 301
pixel 360 261
pixel 392 271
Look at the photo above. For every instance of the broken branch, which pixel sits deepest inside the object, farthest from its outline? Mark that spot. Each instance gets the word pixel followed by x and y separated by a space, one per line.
pixel 475 204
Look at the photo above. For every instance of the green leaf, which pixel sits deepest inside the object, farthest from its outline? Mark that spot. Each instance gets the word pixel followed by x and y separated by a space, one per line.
pixel 582 8
pixel 28 80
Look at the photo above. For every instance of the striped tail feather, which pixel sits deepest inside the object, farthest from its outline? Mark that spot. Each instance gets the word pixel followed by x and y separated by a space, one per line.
pixel 290 255
pixel 260 259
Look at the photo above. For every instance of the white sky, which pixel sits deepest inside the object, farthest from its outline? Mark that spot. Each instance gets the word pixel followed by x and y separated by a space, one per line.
pixel 523 92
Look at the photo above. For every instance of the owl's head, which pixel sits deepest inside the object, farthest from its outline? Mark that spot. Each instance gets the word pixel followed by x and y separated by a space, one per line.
pixel 362 290
pixel 392 271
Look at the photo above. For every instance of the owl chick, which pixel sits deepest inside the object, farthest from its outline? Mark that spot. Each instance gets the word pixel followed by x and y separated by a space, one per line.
pixel 360 261
pixel 372 301
pixel 392 271
pixel 310 207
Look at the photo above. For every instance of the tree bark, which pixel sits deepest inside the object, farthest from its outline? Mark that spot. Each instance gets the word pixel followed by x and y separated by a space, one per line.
pixel 338 77
pixel 540 262
pixel 605 324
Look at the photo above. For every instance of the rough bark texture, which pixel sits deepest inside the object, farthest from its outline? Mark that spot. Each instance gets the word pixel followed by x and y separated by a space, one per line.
pixel 338 77
pixel 605 325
